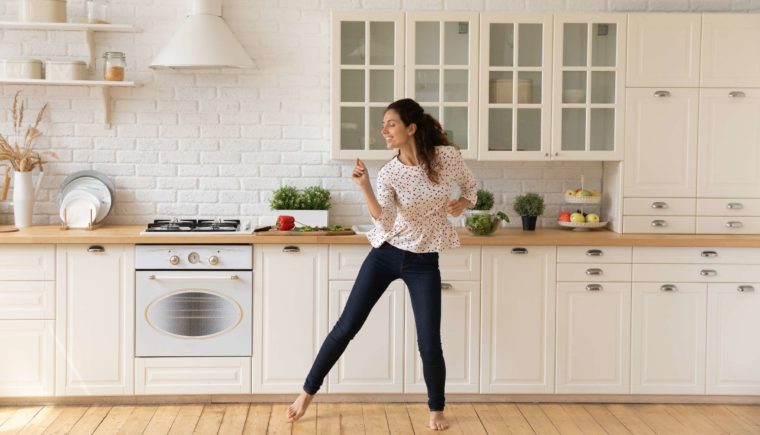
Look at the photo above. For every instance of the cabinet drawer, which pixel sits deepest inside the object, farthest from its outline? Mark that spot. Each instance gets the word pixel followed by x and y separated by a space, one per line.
pixel 193 375
pixel 27 263
pixel 696 255
pixel 668 273
pixel 659 224
pixel 345 261
pixel 728 225
pixel 593 272
pixel 27 299
pixel 596 254
pixel 658 206
pixel 728 207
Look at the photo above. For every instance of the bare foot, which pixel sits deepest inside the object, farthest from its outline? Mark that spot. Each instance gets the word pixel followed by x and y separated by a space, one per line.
pixel 298 408
pixel 438 421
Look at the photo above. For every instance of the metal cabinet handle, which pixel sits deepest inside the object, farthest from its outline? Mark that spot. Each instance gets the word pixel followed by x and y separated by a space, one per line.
pixel 291 249
pixel 709 254
pixel 660 94
pixel 594 253
pixel 594 271
pixel 594 287
pixel 659 205
pixel 734 206
pixel 519 251
pixel 734 224
pixel 446 286
pixel 708 272
pixel 746 288
pixel 232 277
pixel 659 223
pixel 737 94
pixel 668 287
pixel 96 248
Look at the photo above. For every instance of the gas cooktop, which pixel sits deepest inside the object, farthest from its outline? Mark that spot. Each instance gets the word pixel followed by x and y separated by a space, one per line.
pixel 197 227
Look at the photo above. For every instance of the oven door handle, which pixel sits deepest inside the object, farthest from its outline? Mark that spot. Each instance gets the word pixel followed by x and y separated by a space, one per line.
pixel 233 277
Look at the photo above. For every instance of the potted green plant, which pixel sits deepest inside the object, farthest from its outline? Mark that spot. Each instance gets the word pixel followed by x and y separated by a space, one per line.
pixel 529 206
pixel 309 206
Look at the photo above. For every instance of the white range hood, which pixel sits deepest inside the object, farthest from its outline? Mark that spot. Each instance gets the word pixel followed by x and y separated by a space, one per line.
pixel 203 41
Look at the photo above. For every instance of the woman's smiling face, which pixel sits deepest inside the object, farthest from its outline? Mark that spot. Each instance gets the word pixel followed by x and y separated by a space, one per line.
pixel 395 133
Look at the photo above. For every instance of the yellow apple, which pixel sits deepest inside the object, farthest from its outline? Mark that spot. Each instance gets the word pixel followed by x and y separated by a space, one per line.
pixel 583 192
pixel 570 192
pixel 577 218
pixel 592 217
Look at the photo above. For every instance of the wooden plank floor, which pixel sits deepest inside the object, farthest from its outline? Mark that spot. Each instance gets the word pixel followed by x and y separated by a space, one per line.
pixel 381 419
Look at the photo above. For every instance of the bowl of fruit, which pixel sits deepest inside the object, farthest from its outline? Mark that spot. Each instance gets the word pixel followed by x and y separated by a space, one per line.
pixel 484 223
pixel 582 196
pixel 579 220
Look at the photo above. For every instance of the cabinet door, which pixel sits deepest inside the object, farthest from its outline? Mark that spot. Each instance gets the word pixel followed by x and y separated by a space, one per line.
pixel 732 346
pixel 94 330
pixel 460 337
pixel 729 134
pixel 290 314
pixel 589 80
pixel 374 359
pixel 28 364
pixel 668 338
pixel 442 72
pixel 661 142
pixel 517 339
pixel 663 49
pixel 730 43
pixel 515 86
pixel 27 263
pixel 367 74
pixel 593 338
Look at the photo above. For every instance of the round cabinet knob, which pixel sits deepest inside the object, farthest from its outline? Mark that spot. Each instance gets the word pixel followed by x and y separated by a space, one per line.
pixel 213 260
pixel 174 260
pixel 193 257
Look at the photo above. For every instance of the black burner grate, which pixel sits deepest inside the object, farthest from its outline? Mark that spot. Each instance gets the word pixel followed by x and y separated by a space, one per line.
pixel 193 225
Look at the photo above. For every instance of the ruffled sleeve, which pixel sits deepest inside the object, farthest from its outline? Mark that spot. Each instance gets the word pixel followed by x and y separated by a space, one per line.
pixel 386 196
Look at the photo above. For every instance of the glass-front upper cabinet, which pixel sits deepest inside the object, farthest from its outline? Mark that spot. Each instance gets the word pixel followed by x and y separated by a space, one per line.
pixel 442 72
pixel 515 86
pixel 367 75
pixel 589 83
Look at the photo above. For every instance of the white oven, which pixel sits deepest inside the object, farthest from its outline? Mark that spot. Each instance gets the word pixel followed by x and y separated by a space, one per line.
pixel 193 300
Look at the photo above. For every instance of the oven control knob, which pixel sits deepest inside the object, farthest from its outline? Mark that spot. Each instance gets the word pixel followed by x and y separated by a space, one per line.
pixel 174 260
pixel 193 257
pixel 213 260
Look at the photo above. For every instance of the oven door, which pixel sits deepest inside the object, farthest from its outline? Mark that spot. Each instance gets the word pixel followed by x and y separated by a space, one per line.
pixel 193 313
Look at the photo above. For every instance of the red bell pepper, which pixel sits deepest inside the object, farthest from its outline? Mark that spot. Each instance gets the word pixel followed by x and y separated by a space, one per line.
pixel 285 223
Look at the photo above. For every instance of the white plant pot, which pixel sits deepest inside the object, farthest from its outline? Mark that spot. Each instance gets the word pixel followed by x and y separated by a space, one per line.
pixel 312 218
pixel 24 194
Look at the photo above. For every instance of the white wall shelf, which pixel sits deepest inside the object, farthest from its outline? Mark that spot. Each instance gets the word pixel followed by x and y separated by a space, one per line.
pixel 104 85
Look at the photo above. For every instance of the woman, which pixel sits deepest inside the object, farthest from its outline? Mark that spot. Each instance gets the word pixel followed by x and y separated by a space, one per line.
pixel 409 212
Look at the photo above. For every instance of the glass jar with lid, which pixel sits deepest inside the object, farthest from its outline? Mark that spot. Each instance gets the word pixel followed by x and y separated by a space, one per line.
pixel 97 11
pixel 114 66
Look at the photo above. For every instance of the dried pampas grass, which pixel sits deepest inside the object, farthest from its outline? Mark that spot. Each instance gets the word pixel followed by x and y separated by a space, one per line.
pixel 23 158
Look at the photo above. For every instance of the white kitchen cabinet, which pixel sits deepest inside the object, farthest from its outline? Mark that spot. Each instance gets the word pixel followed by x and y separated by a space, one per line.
pixel 367 74
pixel 729 134
pixel 515 86
pixel 730 43
pixel 289 314
pixel 663 49
pixel 733 351
pixel 442 72
pixel 593 337
pixel 196 375
pixel 668 334
pixel 94 319
pixel 27 368
pixel 27 263
pixel 460 338
pixel 517 337
pixel 373 361
pixel 589 84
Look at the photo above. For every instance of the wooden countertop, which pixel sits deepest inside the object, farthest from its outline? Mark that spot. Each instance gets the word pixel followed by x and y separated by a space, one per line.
pixel 130 234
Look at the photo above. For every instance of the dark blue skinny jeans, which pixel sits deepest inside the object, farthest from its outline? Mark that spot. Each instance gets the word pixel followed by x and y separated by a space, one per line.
pixel 382 266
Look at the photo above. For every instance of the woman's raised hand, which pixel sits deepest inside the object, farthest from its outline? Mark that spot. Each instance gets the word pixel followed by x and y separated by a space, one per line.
pixel 455 207
pixel 360 174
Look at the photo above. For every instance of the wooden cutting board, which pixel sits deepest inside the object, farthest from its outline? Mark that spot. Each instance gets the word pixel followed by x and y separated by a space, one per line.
pixel 305 233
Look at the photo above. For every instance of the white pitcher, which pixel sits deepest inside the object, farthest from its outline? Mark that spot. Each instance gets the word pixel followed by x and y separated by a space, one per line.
pixel 24 193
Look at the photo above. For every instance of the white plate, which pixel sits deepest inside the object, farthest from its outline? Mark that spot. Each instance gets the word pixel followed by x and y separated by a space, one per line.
pixel 96 188
pixel 77 208
pixel 582 226
pixel 583 199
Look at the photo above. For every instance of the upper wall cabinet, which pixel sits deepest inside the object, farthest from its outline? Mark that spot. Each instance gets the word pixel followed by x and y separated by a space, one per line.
pixel 663 50
pixel 442 71
pixel 589 81
pixel 515 86
pixel 730 47
pixel 367 74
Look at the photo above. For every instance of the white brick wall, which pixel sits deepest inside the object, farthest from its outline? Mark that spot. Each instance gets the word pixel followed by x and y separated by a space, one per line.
pixel 218 143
